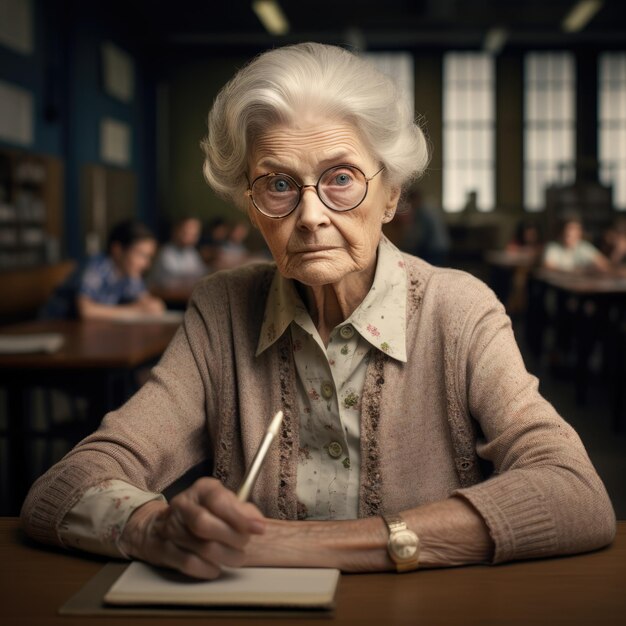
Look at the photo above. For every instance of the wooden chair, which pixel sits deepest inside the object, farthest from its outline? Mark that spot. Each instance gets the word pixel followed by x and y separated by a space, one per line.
pixel 28 289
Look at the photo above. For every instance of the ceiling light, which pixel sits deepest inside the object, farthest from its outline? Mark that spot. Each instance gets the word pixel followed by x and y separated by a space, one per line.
pixel 271 16
pixel 495 40
pixel 580 15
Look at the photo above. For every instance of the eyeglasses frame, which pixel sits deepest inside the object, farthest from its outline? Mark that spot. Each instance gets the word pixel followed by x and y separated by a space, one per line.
pixel 315 186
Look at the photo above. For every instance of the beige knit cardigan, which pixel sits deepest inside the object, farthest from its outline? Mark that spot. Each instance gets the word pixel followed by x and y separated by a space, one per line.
pixel 462 416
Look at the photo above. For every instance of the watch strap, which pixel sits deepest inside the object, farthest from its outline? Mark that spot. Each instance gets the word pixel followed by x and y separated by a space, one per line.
pixel 394 523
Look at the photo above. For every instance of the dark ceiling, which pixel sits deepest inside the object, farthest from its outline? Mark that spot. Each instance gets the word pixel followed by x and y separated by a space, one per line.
pixel 371 24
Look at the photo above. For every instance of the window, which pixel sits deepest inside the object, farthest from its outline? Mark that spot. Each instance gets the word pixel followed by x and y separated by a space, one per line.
pixel 612 124
pixel 549 124
pixel 399 66
pixel 468 130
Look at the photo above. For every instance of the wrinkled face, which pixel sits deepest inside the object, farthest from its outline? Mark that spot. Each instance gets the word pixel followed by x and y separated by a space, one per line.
pixel 314 244
pixel 572 234
pixel 188 233
pixel 134 260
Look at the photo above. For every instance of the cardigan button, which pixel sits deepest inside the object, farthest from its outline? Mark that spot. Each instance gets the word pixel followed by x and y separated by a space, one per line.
pixel 465 464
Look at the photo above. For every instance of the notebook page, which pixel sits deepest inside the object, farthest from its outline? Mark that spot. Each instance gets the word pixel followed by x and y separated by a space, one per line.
pixel 254 586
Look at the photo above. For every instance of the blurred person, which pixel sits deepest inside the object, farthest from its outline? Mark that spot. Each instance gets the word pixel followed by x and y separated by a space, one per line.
pixel 570 252
pixel 526 238
pixel 178 262
pixel 215 236
pixel 426 234
pixel 233 252
pixel 110 285
pixel 614 242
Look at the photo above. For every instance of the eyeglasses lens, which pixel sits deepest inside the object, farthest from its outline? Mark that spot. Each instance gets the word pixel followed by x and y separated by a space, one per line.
pixel 340 188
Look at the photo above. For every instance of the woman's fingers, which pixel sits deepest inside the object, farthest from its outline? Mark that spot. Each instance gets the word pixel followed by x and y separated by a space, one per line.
pixel 213 552
pixel 204 528
pixel 186 561
pixel 208 520
pixel 211 511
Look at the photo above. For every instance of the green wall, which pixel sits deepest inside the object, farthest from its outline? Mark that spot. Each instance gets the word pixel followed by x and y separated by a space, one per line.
pixel 191 90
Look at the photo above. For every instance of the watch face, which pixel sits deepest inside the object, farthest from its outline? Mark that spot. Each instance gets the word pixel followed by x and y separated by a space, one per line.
pixel 404 544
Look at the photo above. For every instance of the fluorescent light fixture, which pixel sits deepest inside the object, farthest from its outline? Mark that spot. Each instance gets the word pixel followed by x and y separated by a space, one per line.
pixel 271 16
pixel 495 40
pixel 580 15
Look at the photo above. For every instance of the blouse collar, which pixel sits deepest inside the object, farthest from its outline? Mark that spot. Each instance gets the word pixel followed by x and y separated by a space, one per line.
pixel 380 319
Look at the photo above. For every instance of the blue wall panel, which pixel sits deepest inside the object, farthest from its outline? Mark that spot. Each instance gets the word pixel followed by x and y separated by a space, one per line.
pixel 64 75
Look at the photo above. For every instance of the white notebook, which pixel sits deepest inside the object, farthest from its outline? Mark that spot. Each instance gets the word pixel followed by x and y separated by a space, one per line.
pixel 169 317
pixel 142 584
pixel 29 344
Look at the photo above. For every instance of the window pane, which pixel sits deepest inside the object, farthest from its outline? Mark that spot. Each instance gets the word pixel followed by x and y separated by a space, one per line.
pixel 468 130
pixel 549 123
pixel 612 124
pixel 398 65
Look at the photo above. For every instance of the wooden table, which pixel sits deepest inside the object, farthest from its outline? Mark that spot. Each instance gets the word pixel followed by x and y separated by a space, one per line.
pixel 176 296
pixel 97 361
pixel 584 284
pixel 588 589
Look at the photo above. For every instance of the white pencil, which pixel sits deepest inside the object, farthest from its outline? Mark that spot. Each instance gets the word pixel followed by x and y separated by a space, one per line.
pixel 259 457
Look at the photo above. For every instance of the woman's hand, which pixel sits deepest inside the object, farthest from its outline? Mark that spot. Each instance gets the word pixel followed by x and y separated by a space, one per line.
pixel 202 529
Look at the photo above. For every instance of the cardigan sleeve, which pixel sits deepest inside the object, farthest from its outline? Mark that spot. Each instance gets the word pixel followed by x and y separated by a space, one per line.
pixel 545 497
pixel 150 441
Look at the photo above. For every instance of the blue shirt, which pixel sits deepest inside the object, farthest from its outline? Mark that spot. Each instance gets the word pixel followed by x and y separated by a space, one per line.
pixel 98 279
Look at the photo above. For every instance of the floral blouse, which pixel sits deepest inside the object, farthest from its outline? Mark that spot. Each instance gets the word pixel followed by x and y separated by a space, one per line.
pixel 330 381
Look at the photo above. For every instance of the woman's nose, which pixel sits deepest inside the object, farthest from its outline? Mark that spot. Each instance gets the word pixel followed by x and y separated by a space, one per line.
pixel 312 212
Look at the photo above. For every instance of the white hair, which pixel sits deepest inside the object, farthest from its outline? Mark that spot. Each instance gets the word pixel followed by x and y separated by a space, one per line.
pixel 280 85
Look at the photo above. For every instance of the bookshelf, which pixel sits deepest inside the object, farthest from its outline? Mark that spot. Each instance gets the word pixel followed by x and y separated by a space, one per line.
pixel 31 210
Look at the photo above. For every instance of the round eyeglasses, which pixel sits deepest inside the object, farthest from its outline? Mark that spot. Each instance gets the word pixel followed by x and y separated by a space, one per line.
pixel 340 188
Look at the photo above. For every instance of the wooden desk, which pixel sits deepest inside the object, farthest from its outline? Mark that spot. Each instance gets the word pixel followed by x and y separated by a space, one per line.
pixel 29 288
pixel 91 344
pixel 97 361
pixel 175 297
pixel 613 285
pixel 588 590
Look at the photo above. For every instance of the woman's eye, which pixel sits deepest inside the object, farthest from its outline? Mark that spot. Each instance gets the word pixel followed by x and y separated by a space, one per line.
pixel 280 185
pixel 342 179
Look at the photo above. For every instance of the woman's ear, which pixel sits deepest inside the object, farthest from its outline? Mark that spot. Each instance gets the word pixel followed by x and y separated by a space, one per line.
pixel 391 205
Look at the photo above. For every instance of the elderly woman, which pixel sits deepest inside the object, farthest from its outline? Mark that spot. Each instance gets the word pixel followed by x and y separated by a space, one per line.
pixel 401 384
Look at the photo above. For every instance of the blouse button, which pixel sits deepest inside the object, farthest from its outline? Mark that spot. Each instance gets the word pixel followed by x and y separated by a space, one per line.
pixel 347 331
pixel 335 449
pixel 327 390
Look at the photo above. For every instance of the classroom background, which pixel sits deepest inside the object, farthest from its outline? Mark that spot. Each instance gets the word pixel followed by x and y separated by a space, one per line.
pixel 103 106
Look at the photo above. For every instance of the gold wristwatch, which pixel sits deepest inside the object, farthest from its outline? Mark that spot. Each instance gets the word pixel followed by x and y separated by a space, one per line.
pixel 403 544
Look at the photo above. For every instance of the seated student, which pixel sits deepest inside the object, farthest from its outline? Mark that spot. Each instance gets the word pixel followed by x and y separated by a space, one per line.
pixel 178 261
pixel 614 242
pixel 527 238
pixel 425 231
pixel 233 252
pixel 571 252
pixel 214 238
pixel 110 286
